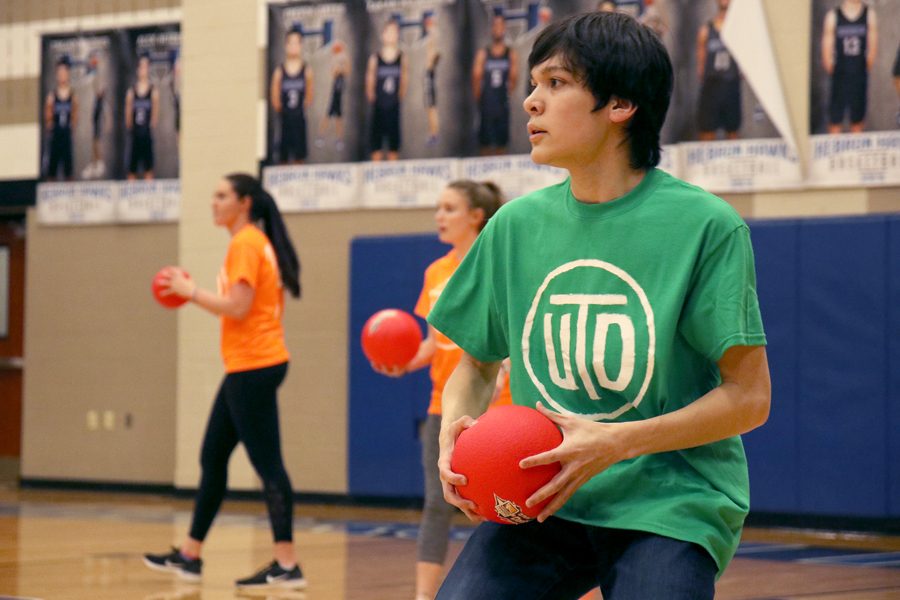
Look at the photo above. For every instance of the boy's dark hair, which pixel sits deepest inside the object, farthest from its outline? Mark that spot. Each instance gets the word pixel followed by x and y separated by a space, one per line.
pixel 612 54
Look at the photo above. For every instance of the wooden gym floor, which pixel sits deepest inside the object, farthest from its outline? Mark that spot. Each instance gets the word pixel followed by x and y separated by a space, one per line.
pixel 87 546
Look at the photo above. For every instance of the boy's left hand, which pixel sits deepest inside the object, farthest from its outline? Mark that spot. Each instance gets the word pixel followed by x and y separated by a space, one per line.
pixel 587 448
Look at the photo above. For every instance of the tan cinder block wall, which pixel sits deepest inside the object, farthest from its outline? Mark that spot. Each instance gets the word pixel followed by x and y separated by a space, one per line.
pixel 94 341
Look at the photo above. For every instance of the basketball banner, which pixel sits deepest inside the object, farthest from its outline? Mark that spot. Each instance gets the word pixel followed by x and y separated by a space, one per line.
pixel 81 203
pixel 314 82
pixel 516 175
pixel 741 166
pixel 109 202
pixel 110 104
pixel 862 159
pixel 405 184
pixel 415 84
pixel 149 201
pixel 313 187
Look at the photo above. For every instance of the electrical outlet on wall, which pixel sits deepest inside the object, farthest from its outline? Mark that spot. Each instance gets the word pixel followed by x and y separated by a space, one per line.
pixel 92 420
pixel 109 420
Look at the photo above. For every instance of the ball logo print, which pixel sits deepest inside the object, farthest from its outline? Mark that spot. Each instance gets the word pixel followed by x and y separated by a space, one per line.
pixel 510 511
pixel 590 334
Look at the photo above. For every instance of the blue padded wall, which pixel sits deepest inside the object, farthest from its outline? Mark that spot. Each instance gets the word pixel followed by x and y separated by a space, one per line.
pixel 842 370
pixel 830 296
pixel 385 413
pixel 892 423
pixel 773 472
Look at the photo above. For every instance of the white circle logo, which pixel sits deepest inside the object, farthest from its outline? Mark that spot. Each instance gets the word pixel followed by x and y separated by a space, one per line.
pixel 589 340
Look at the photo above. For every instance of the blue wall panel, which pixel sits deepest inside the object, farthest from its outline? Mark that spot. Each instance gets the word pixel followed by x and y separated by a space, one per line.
pixel 772 449
pixel 384 453
pixel 842 371
pixel 892 423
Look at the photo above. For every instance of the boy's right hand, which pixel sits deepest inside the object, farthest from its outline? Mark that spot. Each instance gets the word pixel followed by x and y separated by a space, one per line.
pixel 449 479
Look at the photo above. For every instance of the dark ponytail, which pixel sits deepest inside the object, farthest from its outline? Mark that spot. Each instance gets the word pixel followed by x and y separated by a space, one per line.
pixel 263 208
pixel 485 195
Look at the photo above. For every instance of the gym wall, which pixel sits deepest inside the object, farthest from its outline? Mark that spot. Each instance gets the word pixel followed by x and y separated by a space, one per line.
pixel 95 340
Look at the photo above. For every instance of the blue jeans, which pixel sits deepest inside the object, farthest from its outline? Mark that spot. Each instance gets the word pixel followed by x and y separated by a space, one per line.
pixel 559 560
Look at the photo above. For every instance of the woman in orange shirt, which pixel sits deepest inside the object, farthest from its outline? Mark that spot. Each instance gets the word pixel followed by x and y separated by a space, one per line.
pixel 250 302
pixel 464 208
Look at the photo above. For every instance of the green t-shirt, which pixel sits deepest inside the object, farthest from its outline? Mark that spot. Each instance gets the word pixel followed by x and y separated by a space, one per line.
pixel 617 312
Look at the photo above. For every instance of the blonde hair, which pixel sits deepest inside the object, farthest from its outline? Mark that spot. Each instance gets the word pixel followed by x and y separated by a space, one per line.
pixel 485 195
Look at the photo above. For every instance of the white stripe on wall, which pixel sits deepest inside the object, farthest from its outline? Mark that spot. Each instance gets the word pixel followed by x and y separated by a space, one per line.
pixel 19 151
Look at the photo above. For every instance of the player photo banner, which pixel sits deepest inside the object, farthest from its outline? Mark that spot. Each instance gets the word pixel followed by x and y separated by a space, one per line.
pixel 741 166
pixel 78 106
pixel 864 159
pixel 80 203
pixel 110 104
pixel 501 34
pixel 405 184
pixel 152 102
pixel 416 79
pixel 855 93
pixel 314 187
pixel 515 175
pixel 314 92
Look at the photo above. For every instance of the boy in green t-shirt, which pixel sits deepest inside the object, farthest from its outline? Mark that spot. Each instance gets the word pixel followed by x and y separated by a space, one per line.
pixel 626 302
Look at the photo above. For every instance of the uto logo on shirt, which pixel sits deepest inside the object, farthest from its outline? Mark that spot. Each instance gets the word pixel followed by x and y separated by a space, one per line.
pixel 589 340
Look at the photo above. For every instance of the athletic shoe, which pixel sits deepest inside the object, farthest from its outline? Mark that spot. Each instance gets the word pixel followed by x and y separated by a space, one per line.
pixel 174 562
pixel 273 576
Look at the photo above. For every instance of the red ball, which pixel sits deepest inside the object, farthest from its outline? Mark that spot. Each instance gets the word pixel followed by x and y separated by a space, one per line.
pixel 488 454
pixel 391 338
pixel 169 300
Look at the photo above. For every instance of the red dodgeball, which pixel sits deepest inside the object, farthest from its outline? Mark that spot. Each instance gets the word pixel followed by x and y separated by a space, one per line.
pixel 488 454
pixel 391 338
pixel 169 300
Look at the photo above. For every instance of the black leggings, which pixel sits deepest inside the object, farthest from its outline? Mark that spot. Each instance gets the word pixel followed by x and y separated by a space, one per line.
pixel 245 410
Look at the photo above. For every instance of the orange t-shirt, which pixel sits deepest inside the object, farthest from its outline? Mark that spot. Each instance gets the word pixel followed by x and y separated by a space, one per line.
pixel 257 340
pixel 446 354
